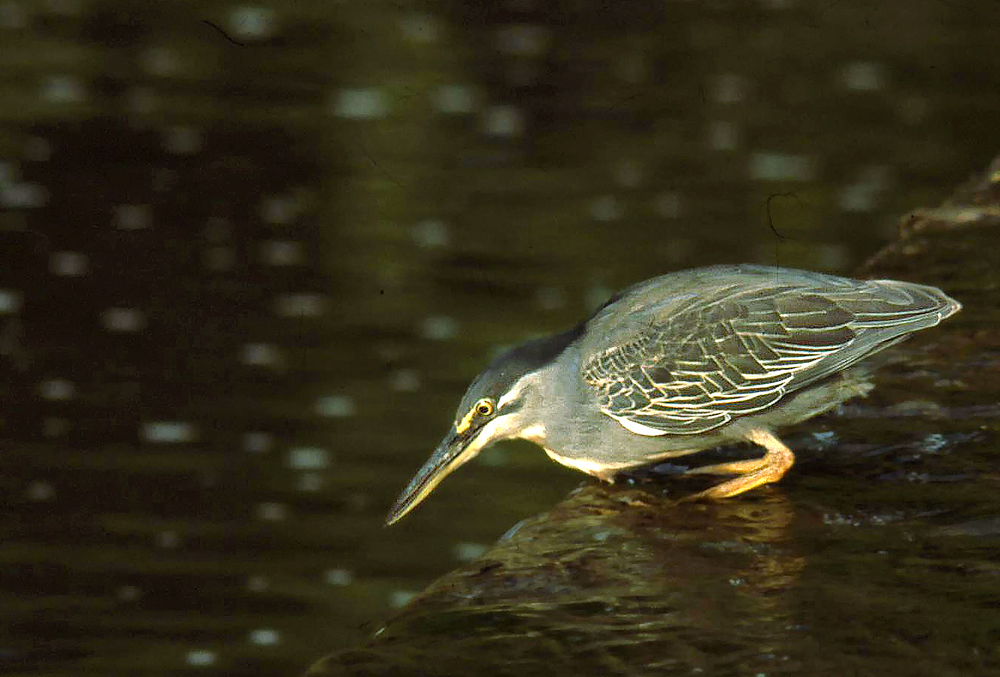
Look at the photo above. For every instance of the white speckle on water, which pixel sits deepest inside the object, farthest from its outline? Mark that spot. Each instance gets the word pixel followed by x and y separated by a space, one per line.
pixel 261 355
pixel 467 552
pixel 68 264
pixel 168 432
pixel 282 252
pixel 825 439
pixel 258 583
pixel 551 298
pixel 123 320
pixel 57 389
pixel 360 104
pixel 773 166
pixel 272 512
pixel 606 208
pixel 279 209
pixel 252 22
pixel 168 539
pixel 40 490
pixel 128 593
pixel 857 198
pixel 405 381
pixel 63 89
pixel 23 195
pixel 503 121
pixel 431 234
pixel 838 520
pixel 309 458
pixel 934 443
pixel 438 328
pixel 11 301
pixel 257 442
pixel 338 577
pixel 201 657
pixel 863 76
pixel 265 637
pixel 400 598
pixel 336 406
pixel 132 217
pixel 301 304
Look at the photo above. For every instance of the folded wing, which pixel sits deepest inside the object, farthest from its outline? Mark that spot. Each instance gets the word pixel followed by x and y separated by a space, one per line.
pixel 695 362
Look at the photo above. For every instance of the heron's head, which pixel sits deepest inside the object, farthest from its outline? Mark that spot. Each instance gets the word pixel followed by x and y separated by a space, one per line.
pixel 501 403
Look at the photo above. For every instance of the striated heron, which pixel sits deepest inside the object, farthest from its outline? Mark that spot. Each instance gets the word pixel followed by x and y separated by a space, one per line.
pixel 682 363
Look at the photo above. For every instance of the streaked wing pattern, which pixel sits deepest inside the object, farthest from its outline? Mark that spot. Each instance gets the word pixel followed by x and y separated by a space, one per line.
pixel 737 350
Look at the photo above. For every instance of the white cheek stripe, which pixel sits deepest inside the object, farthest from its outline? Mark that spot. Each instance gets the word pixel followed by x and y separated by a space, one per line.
pixel 497 429
pixel 515 391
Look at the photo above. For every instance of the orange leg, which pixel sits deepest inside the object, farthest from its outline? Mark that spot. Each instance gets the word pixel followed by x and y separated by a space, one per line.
pixel 752 473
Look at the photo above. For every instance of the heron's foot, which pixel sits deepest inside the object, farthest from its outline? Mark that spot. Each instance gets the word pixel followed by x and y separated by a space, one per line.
pixel 731 468
pixel 751 473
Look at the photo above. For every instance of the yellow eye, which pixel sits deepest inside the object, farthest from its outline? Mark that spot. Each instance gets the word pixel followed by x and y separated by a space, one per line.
pixel 484 407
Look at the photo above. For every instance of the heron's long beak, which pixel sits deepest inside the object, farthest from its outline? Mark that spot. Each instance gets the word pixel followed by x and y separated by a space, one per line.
pixel 454 450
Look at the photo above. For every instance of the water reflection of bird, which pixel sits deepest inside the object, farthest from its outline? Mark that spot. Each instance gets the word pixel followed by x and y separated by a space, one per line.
pixel 682 363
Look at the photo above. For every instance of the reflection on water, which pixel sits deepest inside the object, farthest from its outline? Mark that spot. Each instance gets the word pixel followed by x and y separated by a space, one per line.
pixel 609 579
pixel 620 581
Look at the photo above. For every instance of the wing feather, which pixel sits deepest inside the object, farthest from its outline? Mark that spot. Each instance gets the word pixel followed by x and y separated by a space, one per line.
pixel 666 361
